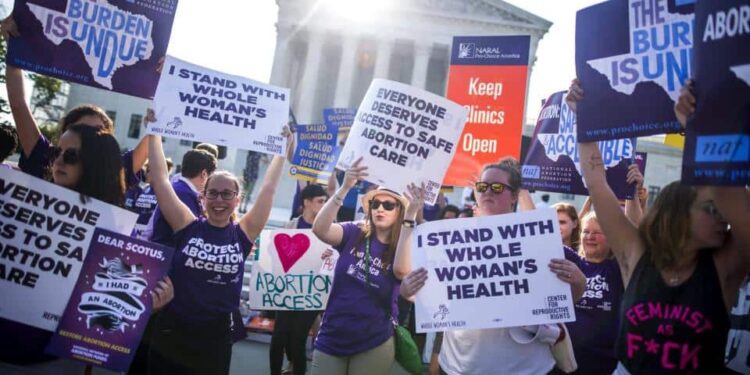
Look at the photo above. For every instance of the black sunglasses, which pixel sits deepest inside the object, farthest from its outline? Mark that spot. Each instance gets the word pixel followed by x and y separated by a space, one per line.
pixel 496 187
pixel 69 156
pixel 388 206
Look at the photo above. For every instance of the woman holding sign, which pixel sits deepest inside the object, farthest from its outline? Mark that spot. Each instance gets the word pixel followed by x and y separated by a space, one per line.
pixel 193 333
pixel 356 333
pixel 682 268
pixel 595 330
pixel 518 350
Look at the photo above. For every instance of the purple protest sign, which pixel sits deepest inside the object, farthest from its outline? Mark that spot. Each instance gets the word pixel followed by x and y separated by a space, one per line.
pixel 552 162
pixel 111 303
pixel 717 140
pixel 632 58
pixel 115 45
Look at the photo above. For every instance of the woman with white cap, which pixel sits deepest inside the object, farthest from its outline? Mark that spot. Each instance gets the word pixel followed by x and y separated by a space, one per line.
pixel 356 333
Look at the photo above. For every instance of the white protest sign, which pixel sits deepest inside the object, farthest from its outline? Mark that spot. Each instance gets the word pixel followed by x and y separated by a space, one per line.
pixel 490 272
pixel 329 264
pixel 287 273
pixel 200 104
pixel 45 232
pixel 404 135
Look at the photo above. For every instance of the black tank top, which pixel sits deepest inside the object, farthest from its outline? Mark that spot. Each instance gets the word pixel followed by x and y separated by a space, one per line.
pixel 680 329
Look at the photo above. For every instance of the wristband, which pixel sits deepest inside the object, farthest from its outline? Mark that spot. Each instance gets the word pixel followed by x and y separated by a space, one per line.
pixel 408 223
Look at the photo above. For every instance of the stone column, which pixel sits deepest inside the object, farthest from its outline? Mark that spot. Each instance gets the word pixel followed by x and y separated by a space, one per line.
pixel 383 58
pixel 280 69
pixel 309 79
pixel 346 70
pixel 421 61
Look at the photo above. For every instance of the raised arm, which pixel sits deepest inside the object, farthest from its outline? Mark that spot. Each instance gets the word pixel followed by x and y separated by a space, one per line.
pixel 140 154
pixel 734 205
pixel 402 259
pixel 253 222
pixel 633 209
pixel 28 131
pixel 622 235
pixel 323 226
pixel 176 213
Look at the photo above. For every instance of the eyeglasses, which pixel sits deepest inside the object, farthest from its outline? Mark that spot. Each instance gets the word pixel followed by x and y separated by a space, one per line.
pixel 592 233
pixel 388 206
pixel 496 187
pixel 225 195
pixel 70 156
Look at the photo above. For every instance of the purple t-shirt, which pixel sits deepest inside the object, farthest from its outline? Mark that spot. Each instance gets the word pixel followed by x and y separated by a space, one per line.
pixel 207 270
pixel 594 332
pixel 40 161
pixel 163 233
pixel 353 321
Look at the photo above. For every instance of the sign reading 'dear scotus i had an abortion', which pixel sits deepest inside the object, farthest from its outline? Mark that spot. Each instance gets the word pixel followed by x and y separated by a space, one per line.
pixel 490 272
pixel 110 44
pixel 199 104
pixel 45 231
pixel 111 303
pixel 404 135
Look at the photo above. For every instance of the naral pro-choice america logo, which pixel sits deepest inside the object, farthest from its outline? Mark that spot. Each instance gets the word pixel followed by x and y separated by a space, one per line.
pixel 109 37
pixel 115 299
pixel 474 51
pixel 465 50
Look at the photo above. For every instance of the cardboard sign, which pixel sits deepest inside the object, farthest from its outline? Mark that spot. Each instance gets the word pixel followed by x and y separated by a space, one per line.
pixel 111 303
pixel 316 153
pixel 632 58
pixel 46 232
pixel 490 272
pixel 488 76
pixel 553 163
pixel 404 135
pixel 116 45
pixel 287 274
pixel 199 104
pixel 717 143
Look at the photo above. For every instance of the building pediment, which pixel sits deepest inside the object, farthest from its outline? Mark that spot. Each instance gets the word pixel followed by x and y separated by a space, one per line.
pixel 488 11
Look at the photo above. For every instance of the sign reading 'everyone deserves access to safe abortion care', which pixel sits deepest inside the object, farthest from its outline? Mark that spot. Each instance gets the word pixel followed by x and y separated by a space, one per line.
pixel 490 272
pixel 488 76
pixel 45 236
pixel 404 135
pixel 287 273
pixel 199 104
pixel 115 44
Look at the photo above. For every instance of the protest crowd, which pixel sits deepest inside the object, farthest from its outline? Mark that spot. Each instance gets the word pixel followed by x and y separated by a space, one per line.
pixel 503 285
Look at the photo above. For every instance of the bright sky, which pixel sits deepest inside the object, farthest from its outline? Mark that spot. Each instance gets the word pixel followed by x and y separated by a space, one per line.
pixel 239 37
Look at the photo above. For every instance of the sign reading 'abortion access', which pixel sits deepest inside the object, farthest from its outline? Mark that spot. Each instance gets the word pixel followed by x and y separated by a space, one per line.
pixel 199 104
pixel 404 135
pixel 287 273
pixel 44 237
pixel 116 44
pixel 490 272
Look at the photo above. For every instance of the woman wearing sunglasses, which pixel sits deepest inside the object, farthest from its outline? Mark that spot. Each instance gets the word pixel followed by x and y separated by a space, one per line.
pixel 356 332
pixel 681 266
pixel 193 333
pixel 519 350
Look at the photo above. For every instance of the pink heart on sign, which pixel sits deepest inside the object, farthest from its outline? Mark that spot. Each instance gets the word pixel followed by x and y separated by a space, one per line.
pixel 290 249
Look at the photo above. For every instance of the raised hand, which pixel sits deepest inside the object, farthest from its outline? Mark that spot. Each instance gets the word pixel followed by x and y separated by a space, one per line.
pixel 575 95
pixel 354 174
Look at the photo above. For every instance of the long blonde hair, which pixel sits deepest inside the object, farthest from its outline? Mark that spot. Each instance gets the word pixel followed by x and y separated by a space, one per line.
pixel 368 228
